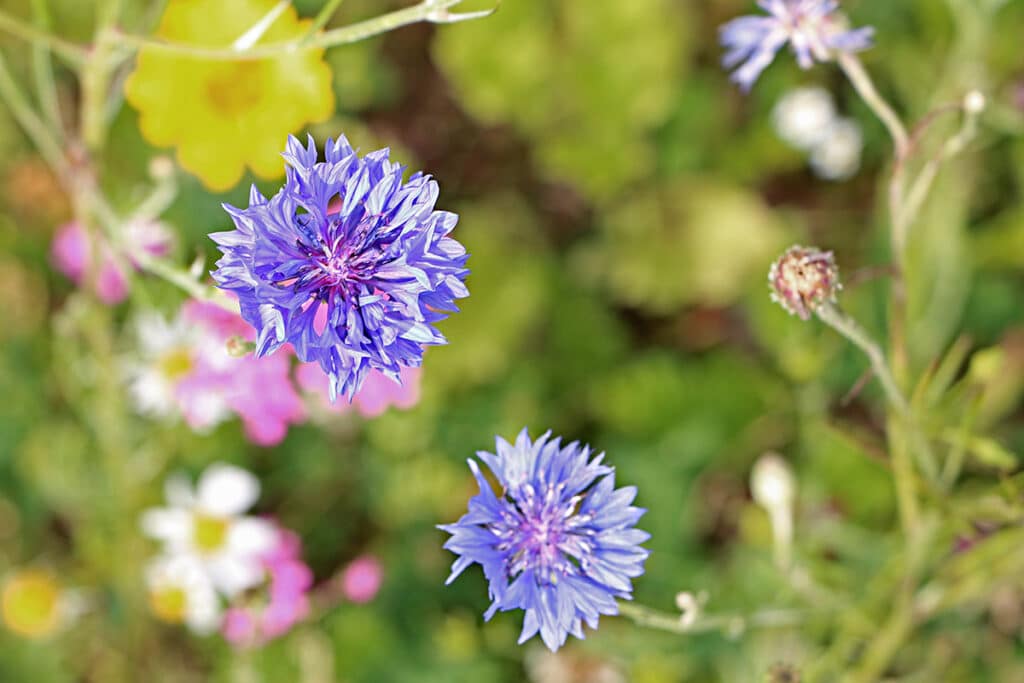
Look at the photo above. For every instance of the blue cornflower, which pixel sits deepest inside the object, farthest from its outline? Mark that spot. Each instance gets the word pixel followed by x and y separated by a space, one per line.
pixel 558 543
pixel 347 262
pixel 811 27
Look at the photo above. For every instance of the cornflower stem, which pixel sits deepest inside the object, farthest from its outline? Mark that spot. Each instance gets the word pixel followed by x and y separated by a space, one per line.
pixel 21 108
pixel 854 70
pixel 903 472
pixel 728 624
pixel 434 11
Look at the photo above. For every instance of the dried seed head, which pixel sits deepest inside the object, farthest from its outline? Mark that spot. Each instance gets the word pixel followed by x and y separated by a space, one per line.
pixel 803 279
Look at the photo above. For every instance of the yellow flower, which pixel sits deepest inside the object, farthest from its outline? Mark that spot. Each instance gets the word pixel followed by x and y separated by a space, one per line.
pixel 31 603
pixel 224 115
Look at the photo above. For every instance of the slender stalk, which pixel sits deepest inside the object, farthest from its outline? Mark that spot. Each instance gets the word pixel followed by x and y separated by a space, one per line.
pixel 729 624
pixel 849 328
pixel 322 17
pixel 903 471
pixel 854 70
pixel 429 11
pixel 42 68
pixel 253 35
pixel 37 131
pixel 71 53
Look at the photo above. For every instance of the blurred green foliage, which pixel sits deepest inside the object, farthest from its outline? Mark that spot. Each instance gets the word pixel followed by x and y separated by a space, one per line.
pixel 621 202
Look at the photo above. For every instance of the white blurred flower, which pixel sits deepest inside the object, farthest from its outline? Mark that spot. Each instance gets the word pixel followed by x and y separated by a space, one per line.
pixel 208 525
pixel 180 592
pixel 803 117
pixel 169 352
pixel 773 487
pixel 837 155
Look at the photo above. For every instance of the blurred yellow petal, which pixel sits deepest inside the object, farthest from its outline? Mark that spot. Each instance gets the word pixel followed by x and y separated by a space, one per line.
pixel 31 604
pixel 224 116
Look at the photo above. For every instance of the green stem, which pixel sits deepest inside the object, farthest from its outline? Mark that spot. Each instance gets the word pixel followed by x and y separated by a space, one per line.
pixel 42 67
pixel 71 53
pixel 37 131
pixel 322 17
pixel 730 624
pixel 429 11
pixel 831 315
pixel 865 87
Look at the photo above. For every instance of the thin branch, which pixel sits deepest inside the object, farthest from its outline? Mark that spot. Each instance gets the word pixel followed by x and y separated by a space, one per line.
pixel 429 11
pixel 42 68
pixel 16 100
pixel 70 52
pixel 860 79
pixel 729 624
pixel 324 16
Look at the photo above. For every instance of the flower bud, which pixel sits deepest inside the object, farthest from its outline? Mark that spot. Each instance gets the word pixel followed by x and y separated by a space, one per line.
pixel 803 279
pixel 772 483
pixel 974 102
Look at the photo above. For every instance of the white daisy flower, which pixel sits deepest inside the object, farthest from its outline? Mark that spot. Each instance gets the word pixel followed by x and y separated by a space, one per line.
pixel 169 353
pixel 180 592
pixel 208 525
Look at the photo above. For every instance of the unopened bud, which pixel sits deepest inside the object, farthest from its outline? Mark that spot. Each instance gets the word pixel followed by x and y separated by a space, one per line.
pixel 160 168
pixel 974 102
pixel 772 483
pixel 803 279
pixel 689 608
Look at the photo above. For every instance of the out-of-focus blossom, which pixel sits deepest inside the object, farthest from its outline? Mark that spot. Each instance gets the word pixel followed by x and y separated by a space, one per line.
pixel 273 611
pixel 225 115
pixel 181 592
pixel 186 369
pixel 813 28
pixel 33 603
pixel 837 155
pixel 377 394
pixel 208 525
pixel 803 279
pixel 361 579
pixel 802 118
pixel 383 267
pixel 71 252
pixel 559 543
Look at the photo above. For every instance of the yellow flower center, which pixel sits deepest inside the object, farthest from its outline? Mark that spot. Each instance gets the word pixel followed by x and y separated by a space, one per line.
pixel 236 87
pixel 30 604
pixel 169 604
pixel 176 364
pixel 209 533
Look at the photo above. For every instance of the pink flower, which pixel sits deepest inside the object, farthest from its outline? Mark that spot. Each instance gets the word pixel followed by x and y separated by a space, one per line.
pixel 378 392
pixel 71 252
pixel 189 371
pixel 258 390
pixel 362 579
pixel 285 602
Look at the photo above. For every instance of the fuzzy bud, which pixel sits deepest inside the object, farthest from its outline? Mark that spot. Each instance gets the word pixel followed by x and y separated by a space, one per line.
pixel 803 279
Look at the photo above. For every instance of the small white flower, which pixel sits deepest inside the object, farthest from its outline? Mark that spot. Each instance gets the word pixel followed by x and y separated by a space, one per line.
pixel 181 592
pixel 803 117
pixel 169 352
pixel 837 155
pixel 208 525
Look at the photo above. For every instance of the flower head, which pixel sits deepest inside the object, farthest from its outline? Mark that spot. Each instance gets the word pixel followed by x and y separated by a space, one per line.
pixel 71 251
pixel 813 29
pixel 224 115
pixel 558 543
pixel 180 592
pixel 361 579
pixel 207 525
pixel 33 604
pixel 281 605
pixel 379 272
pixel 803 279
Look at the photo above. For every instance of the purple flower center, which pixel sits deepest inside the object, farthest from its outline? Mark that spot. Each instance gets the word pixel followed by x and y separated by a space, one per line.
pixel 544 533
pixel 338 263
